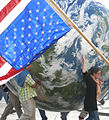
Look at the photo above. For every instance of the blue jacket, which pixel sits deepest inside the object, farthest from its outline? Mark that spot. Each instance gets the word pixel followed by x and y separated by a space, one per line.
pixel 20 78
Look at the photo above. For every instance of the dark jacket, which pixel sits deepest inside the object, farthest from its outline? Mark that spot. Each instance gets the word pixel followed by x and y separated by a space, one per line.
pixel 90 102
pixel 4 88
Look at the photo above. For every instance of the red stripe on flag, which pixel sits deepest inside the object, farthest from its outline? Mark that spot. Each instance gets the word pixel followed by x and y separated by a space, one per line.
pixel 8 8
pixel 11 73
pixel 2 61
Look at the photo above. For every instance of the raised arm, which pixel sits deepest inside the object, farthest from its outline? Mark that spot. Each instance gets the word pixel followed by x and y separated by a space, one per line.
pixel 84 62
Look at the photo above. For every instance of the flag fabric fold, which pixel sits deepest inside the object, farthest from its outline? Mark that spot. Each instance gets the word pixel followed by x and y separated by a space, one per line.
pixel 35 29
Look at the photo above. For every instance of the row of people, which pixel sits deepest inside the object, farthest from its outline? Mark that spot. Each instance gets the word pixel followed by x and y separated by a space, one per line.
pixel 27 93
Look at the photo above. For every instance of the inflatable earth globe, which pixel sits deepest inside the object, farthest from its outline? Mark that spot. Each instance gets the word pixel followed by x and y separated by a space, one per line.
pixel 60 67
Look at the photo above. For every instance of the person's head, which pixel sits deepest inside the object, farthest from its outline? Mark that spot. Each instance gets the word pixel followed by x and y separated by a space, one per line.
pixel 96 72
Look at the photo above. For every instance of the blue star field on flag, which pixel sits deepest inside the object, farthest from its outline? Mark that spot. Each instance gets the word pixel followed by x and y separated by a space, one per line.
pixel 35 30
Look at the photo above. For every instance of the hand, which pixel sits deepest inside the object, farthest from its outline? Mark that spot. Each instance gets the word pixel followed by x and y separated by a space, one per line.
pixel 34 85
pixel 39 82
pixel 101 82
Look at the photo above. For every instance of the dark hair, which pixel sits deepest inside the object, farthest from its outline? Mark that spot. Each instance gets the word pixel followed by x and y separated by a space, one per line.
pixel 94 70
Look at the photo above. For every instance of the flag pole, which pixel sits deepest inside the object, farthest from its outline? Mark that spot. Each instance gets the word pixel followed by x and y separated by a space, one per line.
pixel 71 24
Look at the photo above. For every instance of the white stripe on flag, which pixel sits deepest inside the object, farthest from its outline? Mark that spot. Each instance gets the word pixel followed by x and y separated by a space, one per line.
pixel 13 14
pixel 3 3
pixel 5 69
pixel 6 80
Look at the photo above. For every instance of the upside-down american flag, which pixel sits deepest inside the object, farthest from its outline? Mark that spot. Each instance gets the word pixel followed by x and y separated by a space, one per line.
pixel 27 29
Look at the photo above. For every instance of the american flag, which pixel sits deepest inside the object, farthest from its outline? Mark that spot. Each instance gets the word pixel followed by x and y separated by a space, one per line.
pixel 7 71
pixel 28 29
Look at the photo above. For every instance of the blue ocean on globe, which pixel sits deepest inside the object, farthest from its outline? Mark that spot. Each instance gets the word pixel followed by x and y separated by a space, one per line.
pixel 60 67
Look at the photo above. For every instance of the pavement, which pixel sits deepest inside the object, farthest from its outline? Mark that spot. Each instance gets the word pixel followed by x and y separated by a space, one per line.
pixel 73 115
